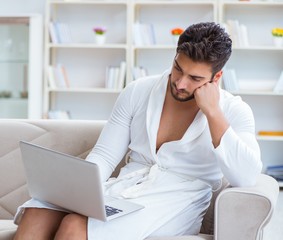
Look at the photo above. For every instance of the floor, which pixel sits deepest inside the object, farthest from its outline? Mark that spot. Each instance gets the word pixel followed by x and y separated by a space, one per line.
pixel 274 230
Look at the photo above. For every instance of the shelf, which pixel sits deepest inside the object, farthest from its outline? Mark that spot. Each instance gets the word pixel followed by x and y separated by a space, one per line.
pixel 159 46
pixel 257 93
pixel 152 3
pixel 12 100
pixel 88 2
pixel 259 48
pixel 85 90
pixel 13 61
pixel 253 3
pixel 88 45
pixel 270 138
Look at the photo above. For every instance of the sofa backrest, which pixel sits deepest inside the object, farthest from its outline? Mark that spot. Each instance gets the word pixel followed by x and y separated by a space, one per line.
pixel 72 137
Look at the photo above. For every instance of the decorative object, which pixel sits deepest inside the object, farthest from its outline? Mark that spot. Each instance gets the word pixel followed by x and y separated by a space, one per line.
pixel 24 94
pixel 277 34
pixel 5 94
pixel 176 32
pixel 100 35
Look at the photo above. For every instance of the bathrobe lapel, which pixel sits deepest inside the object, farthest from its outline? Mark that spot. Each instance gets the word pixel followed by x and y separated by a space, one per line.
pixel 154 110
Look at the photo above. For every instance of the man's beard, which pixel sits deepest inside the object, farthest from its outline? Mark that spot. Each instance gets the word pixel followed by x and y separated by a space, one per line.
pixel 176 95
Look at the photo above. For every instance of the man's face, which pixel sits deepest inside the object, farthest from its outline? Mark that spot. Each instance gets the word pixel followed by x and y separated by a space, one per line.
pixel 186 76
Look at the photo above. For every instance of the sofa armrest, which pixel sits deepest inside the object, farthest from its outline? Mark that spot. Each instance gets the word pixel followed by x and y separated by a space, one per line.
pixel 242 213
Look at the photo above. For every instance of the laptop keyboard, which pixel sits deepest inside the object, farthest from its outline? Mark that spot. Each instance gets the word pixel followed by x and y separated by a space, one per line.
pixel 111 210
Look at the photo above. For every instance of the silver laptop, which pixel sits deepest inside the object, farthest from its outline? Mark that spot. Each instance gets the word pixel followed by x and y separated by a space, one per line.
pixel 70 183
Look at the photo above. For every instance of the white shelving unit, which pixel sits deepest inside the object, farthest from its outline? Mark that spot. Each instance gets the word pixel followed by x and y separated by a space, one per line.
pixel 84 60
pixel 21 66
pixel 258 67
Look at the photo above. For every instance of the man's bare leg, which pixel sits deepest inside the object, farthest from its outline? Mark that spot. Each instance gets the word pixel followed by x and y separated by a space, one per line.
pixel 73 227
pixel 39 224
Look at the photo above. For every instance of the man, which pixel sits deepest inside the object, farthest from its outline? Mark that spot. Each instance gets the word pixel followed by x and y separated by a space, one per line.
pixel 184 134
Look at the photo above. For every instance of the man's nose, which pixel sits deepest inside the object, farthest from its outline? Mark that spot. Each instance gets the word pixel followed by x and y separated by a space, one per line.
pixel 182 83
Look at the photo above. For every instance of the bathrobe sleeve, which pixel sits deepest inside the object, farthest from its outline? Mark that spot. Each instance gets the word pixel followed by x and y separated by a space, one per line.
pixel 238 153
pixel 114 139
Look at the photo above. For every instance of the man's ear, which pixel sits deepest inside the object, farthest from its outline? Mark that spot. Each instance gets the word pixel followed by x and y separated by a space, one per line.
pixel 217 76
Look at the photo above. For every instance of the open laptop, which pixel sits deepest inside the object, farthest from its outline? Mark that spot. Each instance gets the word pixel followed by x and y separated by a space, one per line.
pixel 70 183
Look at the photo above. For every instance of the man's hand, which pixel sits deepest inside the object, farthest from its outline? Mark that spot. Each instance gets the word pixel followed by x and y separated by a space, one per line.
pixel 207 97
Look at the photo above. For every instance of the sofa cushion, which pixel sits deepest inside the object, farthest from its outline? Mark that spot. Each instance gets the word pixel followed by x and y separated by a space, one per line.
pixel 7 229
pixel 208 220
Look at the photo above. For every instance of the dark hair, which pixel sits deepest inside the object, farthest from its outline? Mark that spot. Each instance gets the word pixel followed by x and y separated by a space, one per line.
pixel 206 42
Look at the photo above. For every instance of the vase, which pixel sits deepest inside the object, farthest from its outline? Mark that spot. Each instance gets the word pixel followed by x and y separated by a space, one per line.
pixel 100 39
pixel 175 39
pixel 278 41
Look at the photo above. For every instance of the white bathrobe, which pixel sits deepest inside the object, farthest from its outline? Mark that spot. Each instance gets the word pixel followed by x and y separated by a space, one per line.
pixel 174 183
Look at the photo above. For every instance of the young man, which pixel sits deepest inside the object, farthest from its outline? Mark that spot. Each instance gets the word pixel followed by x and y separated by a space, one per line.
pixel 184 133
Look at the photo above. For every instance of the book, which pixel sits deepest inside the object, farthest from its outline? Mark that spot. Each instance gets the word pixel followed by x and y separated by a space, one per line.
pixel 60 32
pixel 275 171
pixel 115 76
pixel 270 133
pixel 230 81
pixel 59 114
pixel 238 33
pixel 51 78
pixel 52 33
pixel 57 77
pixel 144 34
pixel 279 84
pixel 139 71
pixel 65 76
pixel 122 76
pixel 112 75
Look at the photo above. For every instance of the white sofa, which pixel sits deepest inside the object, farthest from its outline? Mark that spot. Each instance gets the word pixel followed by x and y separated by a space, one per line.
pixel 236 214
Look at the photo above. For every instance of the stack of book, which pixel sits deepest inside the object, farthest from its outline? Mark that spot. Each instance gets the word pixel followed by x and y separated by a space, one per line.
pixel 60 32
pixel 116 76
pixel 57 77
pixel 58 114
pixel 139 71
pixel 238 33
pixel 230 82
pixel 144 34
pixel 279 84
pixel 275 171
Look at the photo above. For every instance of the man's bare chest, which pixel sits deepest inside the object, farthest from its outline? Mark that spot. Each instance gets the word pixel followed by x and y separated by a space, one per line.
pixel 173 125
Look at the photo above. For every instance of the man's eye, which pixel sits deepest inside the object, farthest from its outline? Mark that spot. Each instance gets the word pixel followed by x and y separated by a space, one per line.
pixel 195 79
pixel 178 69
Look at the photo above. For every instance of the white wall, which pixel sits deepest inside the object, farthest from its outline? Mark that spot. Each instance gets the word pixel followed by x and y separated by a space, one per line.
pixel 21 6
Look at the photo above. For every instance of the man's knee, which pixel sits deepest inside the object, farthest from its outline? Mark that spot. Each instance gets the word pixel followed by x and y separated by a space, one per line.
pixel 73 224
pixel 40 223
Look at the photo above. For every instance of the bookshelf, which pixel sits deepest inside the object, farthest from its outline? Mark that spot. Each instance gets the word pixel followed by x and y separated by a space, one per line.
pixel 258 67
pixel 21 66
pixel 85 62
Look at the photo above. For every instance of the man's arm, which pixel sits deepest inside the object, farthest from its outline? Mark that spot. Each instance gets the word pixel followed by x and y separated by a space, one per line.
pixel 114 139
pixel 236 148
pixel 207 98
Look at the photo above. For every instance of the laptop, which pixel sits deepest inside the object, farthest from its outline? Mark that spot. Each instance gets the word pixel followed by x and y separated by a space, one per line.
pixel 70 183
